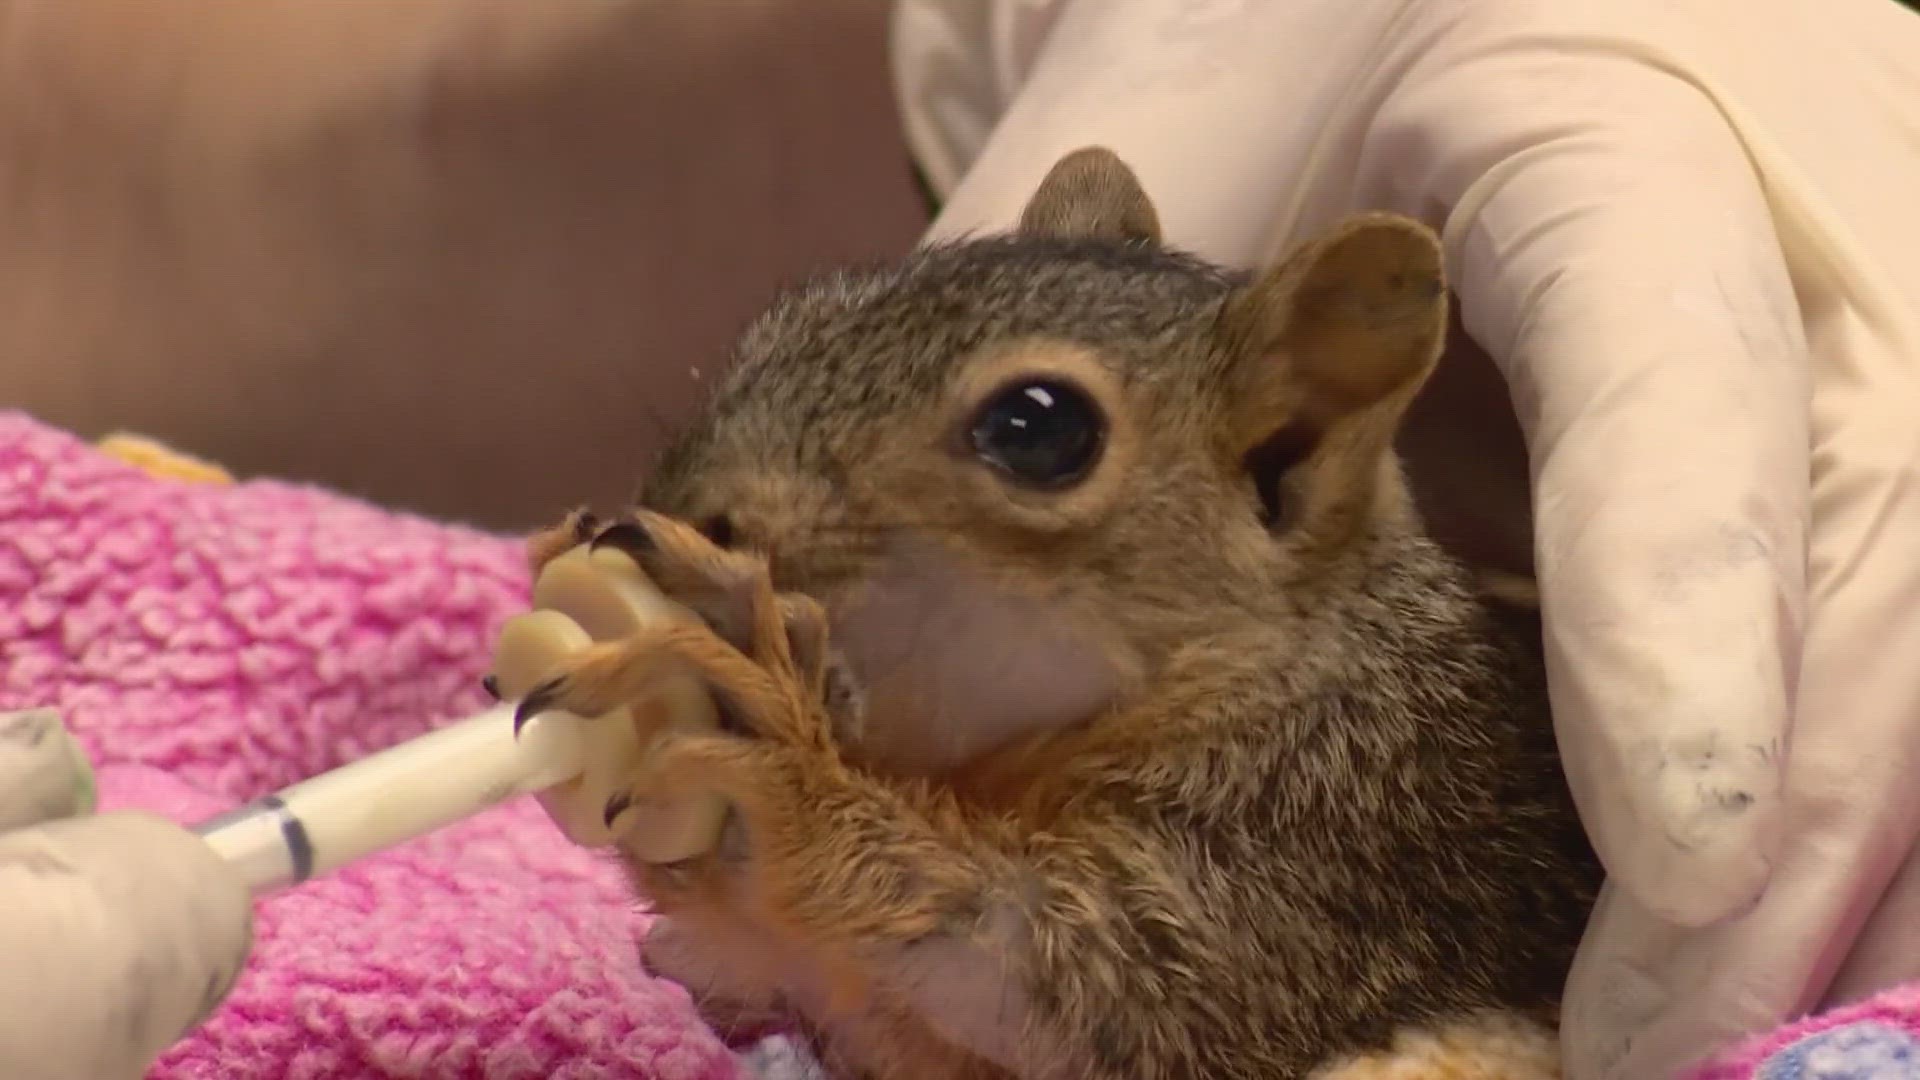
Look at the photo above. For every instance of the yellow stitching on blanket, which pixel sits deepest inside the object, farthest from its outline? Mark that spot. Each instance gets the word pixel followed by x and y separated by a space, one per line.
pixel 162 461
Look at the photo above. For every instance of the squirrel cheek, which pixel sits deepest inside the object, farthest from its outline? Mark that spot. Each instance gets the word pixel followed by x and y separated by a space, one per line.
pixel 952 667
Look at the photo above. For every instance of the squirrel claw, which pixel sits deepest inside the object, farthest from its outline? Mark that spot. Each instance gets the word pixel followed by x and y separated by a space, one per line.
pixel 579 527
pixel 585 524
pixel 537 701
pixel 627 536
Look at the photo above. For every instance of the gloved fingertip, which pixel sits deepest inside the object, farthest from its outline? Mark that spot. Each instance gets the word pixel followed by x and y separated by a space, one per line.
pixel 123 931
pixel 44 773
pixel 1701 877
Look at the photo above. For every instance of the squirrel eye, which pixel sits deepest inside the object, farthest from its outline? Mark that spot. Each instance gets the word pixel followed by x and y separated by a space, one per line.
pixel 1042 432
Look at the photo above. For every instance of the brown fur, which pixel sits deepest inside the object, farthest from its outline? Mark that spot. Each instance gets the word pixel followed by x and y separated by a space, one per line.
pixel 1323 804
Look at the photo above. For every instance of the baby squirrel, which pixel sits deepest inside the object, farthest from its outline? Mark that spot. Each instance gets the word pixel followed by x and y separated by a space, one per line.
pixel 1095 705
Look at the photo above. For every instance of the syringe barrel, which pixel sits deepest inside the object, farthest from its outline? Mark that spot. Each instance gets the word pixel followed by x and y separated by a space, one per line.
pixel 395 795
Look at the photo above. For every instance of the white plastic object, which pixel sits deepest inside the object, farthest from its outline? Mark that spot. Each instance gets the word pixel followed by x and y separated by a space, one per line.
pixel 574 765
pixel 587 596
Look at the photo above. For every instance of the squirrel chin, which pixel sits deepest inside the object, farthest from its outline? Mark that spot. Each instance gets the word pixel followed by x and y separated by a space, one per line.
pixel 953 664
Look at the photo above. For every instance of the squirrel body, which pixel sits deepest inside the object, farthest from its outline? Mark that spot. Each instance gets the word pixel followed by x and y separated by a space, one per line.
pixel 1096 705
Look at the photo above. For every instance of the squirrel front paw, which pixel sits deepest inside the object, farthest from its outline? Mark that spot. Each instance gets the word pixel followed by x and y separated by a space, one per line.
pixel 797 810
pixel 762 655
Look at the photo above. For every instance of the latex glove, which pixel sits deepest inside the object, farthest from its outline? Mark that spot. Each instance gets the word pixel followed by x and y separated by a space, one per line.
pixel 1689 234
pixel 121 930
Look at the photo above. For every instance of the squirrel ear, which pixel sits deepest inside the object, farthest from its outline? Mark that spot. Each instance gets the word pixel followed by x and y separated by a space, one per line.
pixel 1091 194
pixel 1327 350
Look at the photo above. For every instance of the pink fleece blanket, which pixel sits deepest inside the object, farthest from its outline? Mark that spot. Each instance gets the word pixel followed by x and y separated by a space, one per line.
pixel 210 644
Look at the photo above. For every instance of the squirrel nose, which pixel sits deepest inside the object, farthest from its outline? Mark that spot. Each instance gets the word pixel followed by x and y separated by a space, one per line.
pixel 738 531
pixel 720 529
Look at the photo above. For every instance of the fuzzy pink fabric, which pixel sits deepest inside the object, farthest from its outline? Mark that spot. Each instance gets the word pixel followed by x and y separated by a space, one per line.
pixel 1876 1039
pixel 212 644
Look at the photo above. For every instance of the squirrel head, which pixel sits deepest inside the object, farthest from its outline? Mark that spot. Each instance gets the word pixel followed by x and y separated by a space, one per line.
pixel 1024 472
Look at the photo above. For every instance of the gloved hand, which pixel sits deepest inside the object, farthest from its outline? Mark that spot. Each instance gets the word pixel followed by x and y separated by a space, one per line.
pixel 1689 235
pixel 121 930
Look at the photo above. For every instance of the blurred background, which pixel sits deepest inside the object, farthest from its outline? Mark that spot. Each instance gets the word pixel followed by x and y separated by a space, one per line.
pixel 476 258
pixel 464 257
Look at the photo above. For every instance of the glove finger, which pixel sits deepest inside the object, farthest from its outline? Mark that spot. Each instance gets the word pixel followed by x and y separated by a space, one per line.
pixel 1619 982
pixel 1852 809
pixel 44 774
pixel 1887 953
pixel 1659 373
pixel 1614 253
pixel 1720 984
pixel 1631 1008
pixel 122 931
